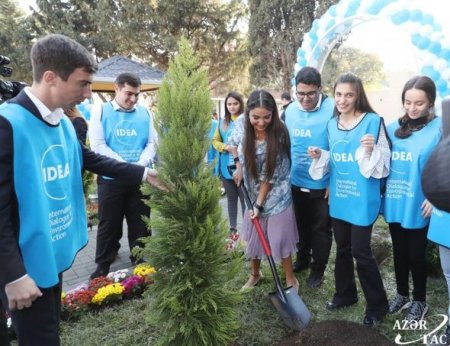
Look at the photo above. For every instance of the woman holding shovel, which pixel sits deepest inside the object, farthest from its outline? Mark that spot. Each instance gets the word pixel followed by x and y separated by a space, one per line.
pixel 262 158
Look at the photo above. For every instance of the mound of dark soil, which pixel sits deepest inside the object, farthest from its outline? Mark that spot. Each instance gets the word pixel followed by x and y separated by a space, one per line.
pixel 337 333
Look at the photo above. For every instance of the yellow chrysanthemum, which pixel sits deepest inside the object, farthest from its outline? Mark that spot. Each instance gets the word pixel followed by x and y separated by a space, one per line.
pixel 144 270
pixel 110 290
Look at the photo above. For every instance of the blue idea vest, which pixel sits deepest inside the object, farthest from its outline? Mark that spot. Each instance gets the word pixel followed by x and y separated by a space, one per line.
pixel 48 185
pixel 353 198
pixel 404 196
pixel 438 228
pixel 126 132
pixel 307 129
pixel 225 158
pixel 212 153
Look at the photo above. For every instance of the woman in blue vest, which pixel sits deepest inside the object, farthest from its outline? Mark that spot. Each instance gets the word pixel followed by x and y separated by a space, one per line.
pixel 357 158
pixel 265 163
pixel 234 106
pixel 406 210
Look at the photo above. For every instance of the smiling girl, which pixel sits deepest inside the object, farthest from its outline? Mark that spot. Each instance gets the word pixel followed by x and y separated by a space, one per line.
pixel 414 136
pixel 234 106
pixel 264 162
pixel 357 158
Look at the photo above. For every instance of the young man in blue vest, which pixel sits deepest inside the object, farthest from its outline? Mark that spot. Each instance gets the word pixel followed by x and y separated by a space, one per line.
pixel 306 120
pixel 42 212
pixel 123 130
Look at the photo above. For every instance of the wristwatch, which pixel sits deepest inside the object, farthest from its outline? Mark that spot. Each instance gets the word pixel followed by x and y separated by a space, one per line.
pixel 259 207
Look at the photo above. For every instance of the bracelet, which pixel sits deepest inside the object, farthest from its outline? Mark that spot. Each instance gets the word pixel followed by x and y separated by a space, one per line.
pixel 259 207
pixel 236 159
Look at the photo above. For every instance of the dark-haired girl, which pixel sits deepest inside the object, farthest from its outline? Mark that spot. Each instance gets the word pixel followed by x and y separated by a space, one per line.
pixel 413 136
pixel 357 158
pixel 263 159
pixel 234 106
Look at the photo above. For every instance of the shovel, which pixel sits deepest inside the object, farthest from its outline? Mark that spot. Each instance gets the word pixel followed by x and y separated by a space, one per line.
pixel 290 306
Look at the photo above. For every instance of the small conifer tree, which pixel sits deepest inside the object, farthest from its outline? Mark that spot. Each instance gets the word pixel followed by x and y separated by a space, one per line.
pixel 191 302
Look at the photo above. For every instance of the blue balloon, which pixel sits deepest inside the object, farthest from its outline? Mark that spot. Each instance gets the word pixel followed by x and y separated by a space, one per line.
pixel 400 17
pixel 313 36
pixel 301 61
pixel 435 47
pixel 445 54
pixel 352 8
pixel 416 15
pixel 332 10
pixel 437 27
pixel 427 19
pixel 431 72
pixel 415 39
pixel 315 24
pixel 424 42
pixel 300 53
pixel 330 24
pixel 441 86
pixel 377 6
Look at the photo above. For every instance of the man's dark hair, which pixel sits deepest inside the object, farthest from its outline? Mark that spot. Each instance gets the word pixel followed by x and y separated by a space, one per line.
pixel 60 54
pixel 309 76
pixel 128 78
pixel 286 95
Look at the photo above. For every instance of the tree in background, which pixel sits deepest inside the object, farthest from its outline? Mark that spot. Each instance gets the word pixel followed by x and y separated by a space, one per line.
pixel 149 30
pixel 366 66
pixel 15 40
pixel 191 301
pixel 276 30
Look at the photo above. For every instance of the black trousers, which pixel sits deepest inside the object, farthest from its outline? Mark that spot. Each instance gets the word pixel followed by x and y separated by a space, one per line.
pixel 4 338
pixel 409 247
pixel 354 242
pixel 314 227
pixel 116 201
pixel 39 324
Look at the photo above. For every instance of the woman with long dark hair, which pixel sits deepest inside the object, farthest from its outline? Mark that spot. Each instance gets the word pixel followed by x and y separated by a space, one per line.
pixel 406 210
pixel 263 159
pixel 357 158
pixel 234 107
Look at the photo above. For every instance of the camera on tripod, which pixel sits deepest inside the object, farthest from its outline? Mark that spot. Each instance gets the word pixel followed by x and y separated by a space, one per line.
pixel 8 89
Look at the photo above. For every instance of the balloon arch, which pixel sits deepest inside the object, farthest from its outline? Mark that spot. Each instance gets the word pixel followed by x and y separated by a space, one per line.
pixel 431 47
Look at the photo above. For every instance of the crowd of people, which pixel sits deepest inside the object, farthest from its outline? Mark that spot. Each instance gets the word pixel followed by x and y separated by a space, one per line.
pixel 325 166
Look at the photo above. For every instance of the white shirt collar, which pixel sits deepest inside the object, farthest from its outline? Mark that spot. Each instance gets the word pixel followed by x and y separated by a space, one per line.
pixel 52 118
pixel 315 108
pixel 117 107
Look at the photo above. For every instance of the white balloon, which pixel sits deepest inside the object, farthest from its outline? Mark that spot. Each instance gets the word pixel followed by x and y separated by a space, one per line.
pixel 436 36
pixel 340 10
pixel 414 28
pixel 306 45
pixel 320 33
pixel 426 30
pixel 445 42
pixel 390 9
pixel 440 64
pixel 445 75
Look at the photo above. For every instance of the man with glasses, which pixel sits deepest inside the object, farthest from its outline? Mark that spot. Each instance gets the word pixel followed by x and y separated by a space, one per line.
pixel 306 120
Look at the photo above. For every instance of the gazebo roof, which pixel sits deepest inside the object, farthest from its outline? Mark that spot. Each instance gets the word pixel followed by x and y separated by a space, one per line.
pixel 109 69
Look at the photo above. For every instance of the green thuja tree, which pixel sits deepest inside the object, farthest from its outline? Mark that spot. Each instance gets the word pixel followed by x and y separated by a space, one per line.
pixel 191 302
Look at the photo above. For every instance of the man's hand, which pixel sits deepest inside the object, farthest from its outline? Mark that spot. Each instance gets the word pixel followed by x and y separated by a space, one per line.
pixel 22 293
pixel 153 180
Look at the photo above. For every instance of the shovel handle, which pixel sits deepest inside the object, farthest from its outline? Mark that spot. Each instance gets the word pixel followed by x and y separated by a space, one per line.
pixel 255 221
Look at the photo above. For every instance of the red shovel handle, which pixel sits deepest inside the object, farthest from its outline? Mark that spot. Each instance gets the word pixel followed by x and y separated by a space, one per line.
pixel 261 236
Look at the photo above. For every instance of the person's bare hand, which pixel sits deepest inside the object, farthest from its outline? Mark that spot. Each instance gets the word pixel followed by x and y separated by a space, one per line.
pixel 238 175
pixel 368 142
pixel 152 179
pixel 314 152
pixel 427 208
pixel 22 293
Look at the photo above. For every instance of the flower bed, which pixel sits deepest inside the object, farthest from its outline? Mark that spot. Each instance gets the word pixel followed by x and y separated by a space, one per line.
pixel 102 291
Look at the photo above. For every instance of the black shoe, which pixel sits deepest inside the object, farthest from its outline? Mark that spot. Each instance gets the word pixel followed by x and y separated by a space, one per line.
pixel 370 321
pixel 331 306
pixel 314 280
pixel 300 266
pixel 102 270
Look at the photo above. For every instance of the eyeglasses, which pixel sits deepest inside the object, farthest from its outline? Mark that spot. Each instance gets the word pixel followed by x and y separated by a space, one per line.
pixel 309 94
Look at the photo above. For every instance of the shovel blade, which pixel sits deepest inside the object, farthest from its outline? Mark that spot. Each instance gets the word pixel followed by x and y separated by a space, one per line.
pixel 291 308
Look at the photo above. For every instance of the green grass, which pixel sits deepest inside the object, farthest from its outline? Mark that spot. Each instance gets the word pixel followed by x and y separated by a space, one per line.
pixel 126 324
